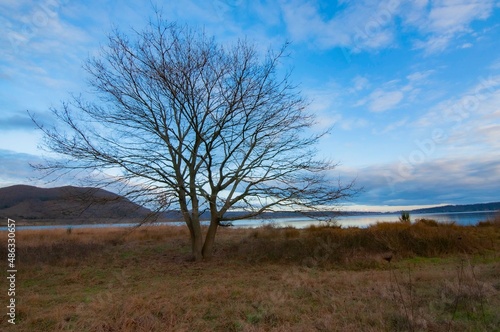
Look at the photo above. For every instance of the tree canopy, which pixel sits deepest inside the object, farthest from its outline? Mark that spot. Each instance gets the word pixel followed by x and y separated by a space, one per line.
pixel 198 124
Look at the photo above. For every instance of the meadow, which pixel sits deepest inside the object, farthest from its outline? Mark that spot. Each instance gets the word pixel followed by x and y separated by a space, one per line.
pixel 388 277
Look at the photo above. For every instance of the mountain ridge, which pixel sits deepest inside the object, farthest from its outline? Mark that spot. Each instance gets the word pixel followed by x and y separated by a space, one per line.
pixel 477 207
pixel 69 204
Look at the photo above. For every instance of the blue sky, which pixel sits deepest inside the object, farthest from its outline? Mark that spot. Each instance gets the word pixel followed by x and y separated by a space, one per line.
pixel 411 88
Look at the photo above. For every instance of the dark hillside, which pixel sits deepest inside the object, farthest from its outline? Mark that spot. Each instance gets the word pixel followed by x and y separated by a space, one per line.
pixel 461 208
pixel 68 204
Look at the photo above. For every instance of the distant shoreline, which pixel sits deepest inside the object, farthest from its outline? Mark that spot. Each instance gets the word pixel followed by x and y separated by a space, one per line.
pixel 467 218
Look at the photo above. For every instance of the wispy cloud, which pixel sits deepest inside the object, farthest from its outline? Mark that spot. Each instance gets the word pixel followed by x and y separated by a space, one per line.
pixel 419 76
pixel 495 65
pixel 371 25
pixel 39 29
pixel 35 35
pixel 15 168
pixel 379 106
pixel 390 94
pixel 381 100
pixel 452 181
pixel 441 22
pixel 351 123
pixel 480 131
pixel 482 98
pixel 362 25
pixel 360 83
pixel 452 16
pixel 392 126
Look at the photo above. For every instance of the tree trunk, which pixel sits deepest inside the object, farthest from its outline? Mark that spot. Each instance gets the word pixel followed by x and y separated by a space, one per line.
pixel 196 238
pixel 197 248
pixel 208 246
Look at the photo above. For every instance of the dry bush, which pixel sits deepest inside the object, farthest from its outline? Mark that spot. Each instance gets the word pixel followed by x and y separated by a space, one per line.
pixel 422 239
pixel 324 246
pixel 493 221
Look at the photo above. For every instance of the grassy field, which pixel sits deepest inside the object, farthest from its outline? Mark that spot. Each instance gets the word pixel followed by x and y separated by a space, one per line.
pixel 389 277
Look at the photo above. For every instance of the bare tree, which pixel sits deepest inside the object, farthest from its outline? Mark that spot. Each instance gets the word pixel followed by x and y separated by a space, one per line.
pixel 187 120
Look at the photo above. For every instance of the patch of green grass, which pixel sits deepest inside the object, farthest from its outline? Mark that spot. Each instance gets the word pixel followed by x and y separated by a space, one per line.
pixel 254 318
pixel 127 254
pixel 28 283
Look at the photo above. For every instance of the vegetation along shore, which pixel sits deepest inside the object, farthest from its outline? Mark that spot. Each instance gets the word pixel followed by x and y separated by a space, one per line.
pixel 388 277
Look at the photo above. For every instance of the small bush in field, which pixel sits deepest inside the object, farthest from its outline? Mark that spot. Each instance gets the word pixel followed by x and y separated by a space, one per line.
pixel 405 217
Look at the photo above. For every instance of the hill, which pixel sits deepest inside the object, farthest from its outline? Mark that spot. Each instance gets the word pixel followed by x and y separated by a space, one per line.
pixel 495 206
pixel 67 204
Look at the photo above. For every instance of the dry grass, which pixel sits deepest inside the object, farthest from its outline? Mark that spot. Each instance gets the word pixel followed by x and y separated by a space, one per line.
pixel 493 221
pixel 439 278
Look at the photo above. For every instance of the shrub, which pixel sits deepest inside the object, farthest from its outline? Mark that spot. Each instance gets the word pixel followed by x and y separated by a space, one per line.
pixel 405 217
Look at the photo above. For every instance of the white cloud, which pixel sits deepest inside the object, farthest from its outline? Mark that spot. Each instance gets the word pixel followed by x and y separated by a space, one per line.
pixel 392 93
pixel 480 131
pixel 392 126
pixel 358 26
pixel 451 16
pixel 470 122
pixel 381 100
pixel 434 44
pixel 490 132
pixel 268 12
pixel 458 180
pixel 495 65
pixel 370 25
pixel 429 181
pixel 36 35
pixel 419 76
pixel 352 123
pixel 302 19
pixel 360 83
pixel 324 102
pixel 441 22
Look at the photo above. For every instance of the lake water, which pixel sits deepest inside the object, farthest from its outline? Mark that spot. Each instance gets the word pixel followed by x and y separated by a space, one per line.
pixel 461 218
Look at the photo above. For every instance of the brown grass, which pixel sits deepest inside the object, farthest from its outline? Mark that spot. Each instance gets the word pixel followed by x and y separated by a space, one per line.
pixel 440 278
pixel 493 221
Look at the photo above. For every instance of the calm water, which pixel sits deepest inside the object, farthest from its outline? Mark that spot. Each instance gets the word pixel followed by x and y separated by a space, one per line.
pixel 462 218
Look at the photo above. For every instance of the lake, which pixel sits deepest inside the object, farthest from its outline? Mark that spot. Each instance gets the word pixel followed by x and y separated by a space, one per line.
pixel 460 218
